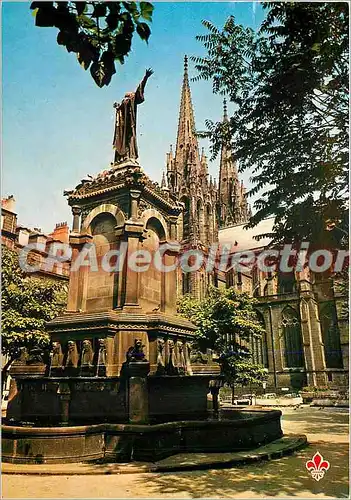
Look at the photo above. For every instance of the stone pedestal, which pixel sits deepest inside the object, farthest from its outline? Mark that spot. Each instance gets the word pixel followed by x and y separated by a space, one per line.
pixel 138 398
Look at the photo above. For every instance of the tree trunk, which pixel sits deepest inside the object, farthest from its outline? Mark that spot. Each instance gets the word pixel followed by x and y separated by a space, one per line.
pixel 233 400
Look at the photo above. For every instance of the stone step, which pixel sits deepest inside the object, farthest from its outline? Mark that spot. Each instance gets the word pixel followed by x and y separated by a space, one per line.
pixel 182 461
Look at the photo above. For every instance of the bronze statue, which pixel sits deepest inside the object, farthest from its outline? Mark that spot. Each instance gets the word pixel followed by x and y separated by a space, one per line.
pixel 124 141
pixel 136 353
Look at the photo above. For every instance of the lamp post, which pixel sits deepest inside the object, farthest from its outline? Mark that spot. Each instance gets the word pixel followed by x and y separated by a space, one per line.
pixel 264 385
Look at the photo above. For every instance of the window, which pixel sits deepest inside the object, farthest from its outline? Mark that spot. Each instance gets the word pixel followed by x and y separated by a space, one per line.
pixel 286 283
pixel 331 336
pixel 185 283
pixel 294 357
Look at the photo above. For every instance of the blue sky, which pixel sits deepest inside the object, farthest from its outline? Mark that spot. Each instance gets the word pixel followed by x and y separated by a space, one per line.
pixel 58 125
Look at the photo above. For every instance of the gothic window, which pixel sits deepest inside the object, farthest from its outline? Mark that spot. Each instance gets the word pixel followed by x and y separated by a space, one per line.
pixel 201 221
pixel 186 217
pixel 209 224
pixel 331 336
pixel 294 357
pixel 185 283
pixel 286 282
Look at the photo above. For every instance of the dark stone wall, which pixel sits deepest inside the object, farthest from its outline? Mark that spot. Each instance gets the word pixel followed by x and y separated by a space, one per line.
pixel 176 398
pixel 235 430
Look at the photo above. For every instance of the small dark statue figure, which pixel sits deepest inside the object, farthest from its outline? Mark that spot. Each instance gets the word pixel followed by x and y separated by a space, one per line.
pixel 124 141
pixel 136 352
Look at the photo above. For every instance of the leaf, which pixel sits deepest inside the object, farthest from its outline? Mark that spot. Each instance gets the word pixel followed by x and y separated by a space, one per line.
pixel 46 16
pixel 80 7
pixel 99 10
pixel 86 22
pixel 122 45
pixel 112 21
pixel 98 72
pixel 143 31
pixel 146 10
pixel 86 54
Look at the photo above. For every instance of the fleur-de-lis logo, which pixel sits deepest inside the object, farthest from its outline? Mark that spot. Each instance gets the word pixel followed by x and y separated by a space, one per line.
pixel 317 466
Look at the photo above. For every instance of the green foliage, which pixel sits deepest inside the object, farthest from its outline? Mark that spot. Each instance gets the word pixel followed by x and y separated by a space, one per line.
pixel 289 128
pixel 100 33
pixel 27 304
pixel 226 320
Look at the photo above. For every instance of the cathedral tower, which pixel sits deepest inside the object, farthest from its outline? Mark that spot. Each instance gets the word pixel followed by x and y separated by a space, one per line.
pixel 232 202
pixel 188 181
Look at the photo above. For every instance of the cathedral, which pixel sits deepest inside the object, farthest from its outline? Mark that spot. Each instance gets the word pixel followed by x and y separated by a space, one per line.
pixel 306 341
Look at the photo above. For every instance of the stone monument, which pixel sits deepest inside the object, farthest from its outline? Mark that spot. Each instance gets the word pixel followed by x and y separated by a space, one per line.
pixel 122 382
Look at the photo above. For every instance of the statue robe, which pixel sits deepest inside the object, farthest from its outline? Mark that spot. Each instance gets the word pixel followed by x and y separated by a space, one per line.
pixel 124 141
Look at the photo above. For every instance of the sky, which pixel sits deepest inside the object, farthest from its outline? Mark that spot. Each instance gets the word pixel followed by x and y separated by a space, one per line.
pixel 58 125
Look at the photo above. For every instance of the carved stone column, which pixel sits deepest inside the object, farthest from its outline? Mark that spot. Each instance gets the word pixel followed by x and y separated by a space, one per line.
pixel 78 277
pixel 173 227
pixel 76 211
pixel 134 201
pixel 64 393
pixel 133 231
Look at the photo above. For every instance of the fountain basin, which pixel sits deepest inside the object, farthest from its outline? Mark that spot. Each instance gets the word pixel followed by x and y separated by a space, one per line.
pixel 234 430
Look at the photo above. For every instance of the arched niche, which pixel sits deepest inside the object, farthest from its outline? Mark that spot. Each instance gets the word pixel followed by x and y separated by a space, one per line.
pixel 106 208
pixel 101 290
pixel 155 221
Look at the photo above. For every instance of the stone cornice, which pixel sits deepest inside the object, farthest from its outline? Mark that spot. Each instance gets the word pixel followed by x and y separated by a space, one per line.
pixel 119 320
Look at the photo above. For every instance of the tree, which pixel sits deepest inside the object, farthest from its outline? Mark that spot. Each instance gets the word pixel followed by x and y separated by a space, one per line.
pixel 100 33
pixel 289 84
pixel 27 304
pixel 226 321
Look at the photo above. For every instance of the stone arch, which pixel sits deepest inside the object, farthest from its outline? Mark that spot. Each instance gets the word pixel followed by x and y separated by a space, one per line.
pixel 152 280
pixel 293 346
pixel 155 221
pixel 108 208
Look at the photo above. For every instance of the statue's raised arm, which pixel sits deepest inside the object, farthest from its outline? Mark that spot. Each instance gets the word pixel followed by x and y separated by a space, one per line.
pixel 124 141
pixel 139 94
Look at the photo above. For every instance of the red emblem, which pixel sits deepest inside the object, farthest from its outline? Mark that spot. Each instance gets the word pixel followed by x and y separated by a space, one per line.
pixel 317 466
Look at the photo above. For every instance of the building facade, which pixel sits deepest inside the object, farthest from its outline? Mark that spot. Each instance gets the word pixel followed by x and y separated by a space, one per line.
pixel 16 237
pixel 307 340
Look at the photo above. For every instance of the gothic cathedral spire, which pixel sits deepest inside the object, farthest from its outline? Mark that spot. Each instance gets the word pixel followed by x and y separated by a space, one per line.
pixel 188 181
pixel 232 203
pixel 186 162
